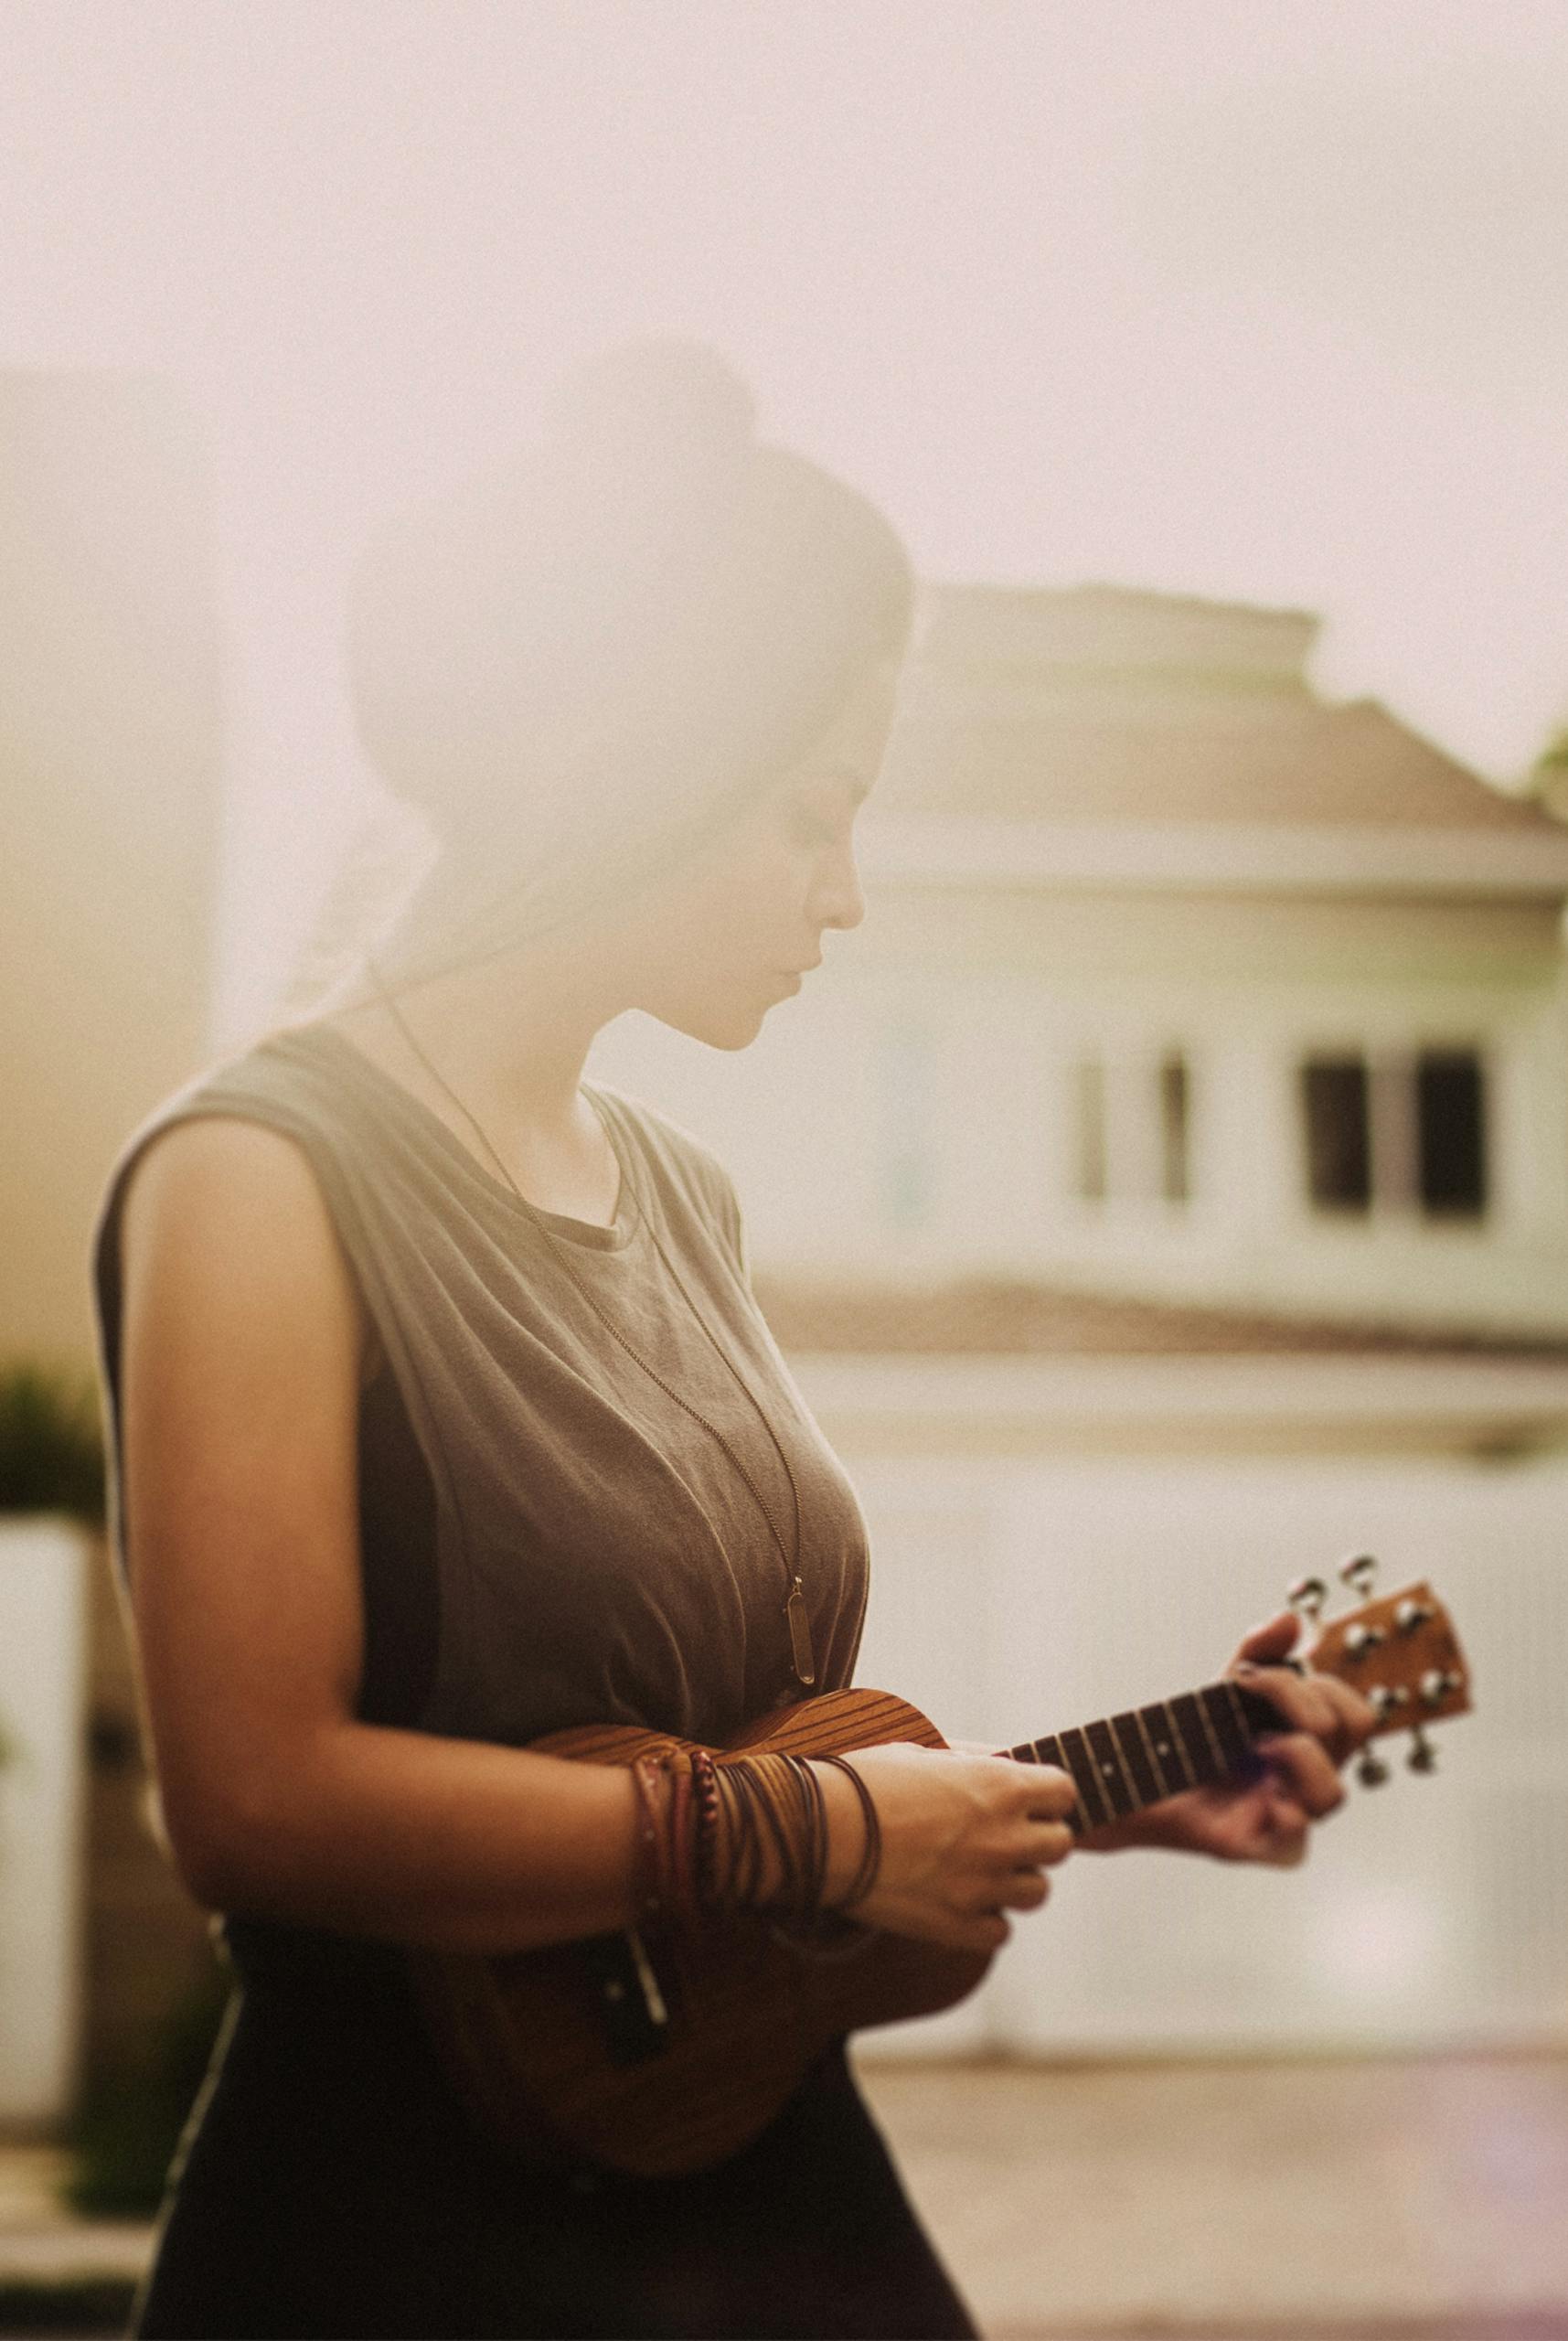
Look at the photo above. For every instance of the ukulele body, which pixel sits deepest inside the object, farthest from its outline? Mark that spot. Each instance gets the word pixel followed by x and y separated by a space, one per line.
pixel 658 2054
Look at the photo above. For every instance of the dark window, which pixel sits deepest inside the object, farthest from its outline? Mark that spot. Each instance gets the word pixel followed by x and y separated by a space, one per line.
pixel 1174 1115
pixel 1339 1154
pixel 1451 1122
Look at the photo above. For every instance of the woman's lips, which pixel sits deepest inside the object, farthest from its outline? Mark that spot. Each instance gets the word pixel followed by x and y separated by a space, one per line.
pixel 795 976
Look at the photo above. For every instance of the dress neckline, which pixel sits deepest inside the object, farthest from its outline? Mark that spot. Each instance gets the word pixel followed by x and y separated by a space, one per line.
pixel 587 1233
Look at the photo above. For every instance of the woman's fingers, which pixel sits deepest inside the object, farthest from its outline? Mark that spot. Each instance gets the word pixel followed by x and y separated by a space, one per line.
pixel 1307 1773
pixel 1287 1847
pixel 1043 1791
pixel 1287 1822
pixel 1337 1716
pixel 966 1839
pixel 992 1898
pixel 1024 1890
pixel 1043 1844
pixel 985 1929
pixel 1268 1644
pixel 975 1922
pixel 1037 1837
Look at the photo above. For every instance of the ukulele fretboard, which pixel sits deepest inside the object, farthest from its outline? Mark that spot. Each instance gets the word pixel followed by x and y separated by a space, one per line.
pixel 1122 1762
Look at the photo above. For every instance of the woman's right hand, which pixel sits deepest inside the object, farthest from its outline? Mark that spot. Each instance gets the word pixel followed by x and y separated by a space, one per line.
pixel 966 1838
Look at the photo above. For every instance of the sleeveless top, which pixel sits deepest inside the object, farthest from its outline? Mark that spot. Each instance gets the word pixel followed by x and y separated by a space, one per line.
pixel 548 1538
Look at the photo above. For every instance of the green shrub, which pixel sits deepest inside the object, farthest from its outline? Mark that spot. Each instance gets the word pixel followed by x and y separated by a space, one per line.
pixel 51 1442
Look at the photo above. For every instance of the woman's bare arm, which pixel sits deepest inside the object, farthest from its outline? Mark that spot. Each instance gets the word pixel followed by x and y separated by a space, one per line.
pixel 241 1376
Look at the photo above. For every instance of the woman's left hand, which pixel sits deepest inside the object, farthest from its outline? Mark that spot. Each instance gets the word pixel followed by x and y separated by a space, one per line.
pixel 1266 1818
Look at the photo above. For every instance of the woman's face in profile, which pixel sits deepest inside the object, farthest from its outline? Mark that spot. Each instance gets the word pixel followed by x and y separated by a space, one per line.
pixel 741 925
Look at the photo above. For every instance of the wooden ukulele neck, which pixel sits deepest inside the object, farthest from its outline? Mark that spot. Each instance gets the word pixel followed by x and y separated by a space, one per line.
pixel 1126 1762
pixel 1400 1651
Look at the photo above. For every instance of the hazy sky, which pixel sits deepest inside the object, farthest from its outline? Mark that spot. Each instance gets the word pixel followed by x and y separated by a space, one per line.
pixel 1263 300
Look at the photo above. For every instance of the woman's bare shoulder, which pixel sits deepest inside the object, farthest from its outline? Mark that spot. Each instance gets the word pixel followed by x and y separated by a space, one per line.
pixel 224 1214
pixel 224 1168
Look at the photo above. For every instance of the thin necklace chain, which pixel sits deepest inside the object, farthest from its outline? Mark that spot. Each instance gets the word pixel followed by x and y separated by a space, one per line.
pixel 803 1660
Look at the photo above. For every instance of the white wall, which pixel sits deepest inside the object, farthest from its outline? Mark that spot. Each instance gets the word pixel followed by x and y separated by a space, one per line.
pixel 1009 1600
pixel 43 1574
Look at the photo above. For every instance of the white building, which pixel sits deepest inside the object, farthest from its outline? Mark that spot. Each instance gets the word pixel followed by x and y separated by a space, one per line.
pixel 1165 1191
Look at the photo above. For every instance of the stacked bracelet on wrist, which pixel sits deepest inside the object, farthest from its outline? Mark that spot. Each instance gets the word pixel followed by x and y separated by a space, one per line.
pixel 749 1834
pixel 865 1876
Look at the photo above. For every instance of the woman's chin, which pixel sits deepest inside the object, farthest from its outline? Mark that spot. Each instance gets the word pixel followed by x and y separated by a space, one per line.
pixel 735 1025
pixel 736 1031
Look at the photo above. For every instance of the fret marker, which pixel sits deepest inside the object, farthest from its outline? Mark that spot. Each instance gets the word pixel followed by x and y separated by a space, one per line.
pixel 1162 1748
pixel 1107 1769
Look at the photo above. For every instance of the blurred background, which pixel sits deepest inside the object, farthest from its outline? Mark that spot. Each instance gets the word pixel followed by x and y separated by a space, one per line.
pixel 1165 1193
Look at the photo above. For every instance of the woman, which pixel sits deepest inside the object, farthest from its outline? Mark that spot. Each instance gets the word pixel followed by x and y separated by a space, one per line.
pixel 444 1418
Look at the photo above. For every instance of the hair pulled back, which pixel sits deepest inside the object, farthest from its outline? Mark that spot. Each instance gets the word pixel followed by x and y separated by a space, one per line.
pixel 578 660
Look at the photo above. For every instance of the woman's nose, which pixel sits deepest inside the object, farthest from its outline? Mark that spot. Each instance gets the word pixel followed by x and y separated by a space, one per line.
pixel 837 900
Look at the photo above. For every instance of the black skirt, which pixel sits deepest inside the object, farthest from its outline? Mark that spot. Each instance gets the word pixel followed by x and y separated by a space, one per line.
pixel 331 2186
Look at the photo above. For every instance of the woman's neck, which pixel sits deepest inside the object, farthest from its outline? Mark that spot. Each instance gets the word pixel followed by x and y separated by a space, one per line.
pixel 498 1051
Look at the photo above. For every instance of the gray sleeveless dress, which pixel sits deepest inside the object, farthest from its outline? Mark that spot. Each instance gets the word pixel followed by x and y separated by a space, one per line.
pixel 547 1539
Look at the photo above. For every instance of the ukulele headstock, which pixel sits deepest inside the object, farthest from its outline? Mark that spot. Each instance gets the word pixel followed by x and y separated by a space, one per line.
pixel 1399 1650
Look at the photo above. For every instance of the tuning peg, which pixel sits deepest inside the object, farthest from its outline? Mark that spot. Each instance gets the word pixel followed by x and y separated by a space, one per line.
pixel 1358 1573
pixel 1359 1640
pixel 1409 1615
pixel 1370 1771
pixel 1435 1684
pixel 1383 1698
pixel 1423 1756
pixel 1307 1597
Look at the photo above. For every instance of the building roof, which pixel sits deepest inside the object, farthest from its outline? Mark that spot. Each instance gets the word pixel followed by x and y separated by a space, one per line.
pixel 977 1317
pixel 1099 705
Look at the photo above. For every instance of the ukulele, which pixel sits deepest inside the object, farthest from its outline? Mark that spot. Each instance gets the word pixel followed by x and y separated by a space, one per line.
pixel 658 2056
